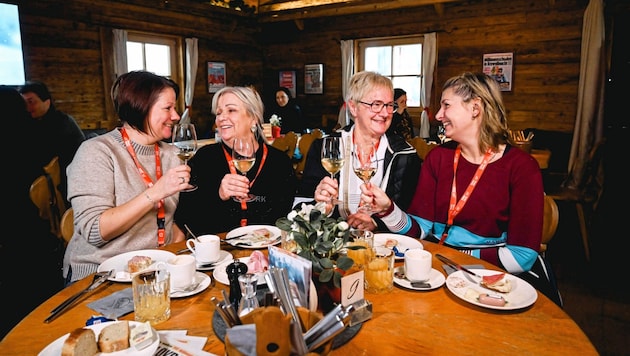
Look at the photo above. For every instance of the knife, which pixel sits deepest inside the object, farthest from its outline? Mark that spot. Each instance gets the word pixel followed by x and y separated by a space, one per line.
pixel 63 307
pixel 236 237
pixel 456 266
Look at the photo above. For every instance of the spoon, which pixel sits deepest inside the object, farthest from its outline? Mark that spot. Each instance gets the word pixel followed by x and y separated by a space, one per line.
pixel 191 233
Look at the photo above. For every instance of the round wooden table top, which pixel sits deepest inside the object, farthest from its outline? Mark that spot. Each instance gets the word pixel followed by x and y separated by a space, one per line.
pixel 403 321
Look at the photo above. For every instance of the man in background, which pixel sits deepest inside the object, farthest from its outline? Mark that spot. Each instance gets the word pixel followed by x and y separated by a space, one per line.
pixel 56 131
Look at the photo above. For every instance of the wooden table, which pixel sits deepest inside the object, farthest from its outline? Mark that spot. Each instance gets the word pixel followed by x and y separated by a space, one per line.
pixel 404 322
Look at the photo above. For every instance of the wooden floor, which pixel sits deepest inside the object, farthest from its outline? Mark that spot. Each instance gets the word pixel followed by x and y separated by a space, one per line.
pixel 596 293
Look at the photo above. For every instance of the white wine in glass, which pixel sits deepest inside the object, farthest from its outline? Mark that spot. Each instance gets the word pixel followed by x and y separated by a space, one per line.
pixel 441 133
pixel 185 139
pixel 364 165
pixel 333 157
pixel 243 158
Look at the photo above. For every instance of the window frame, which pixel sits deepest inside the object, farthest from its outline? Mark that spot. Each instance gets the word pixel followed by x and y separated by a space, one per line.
pixel 362 44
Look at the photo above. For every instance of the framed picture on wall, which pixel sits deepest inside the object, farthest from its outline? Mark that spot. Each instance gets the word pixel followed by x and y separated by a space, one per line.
pixel 314 79
pixel 499 67
pixel 216 76
pixel 286 78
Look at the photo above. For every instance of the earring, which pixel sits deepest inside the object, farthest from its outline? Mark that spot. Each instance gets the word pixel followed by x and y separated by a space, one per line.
pixel 253 128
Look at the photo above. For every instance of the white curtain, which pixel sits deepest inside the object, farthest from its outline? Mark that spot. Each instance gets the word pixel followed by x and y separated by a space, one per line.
pixel 429 54
pixel 589 122
pixel 347 70
pixel 191 75
pixel 120 52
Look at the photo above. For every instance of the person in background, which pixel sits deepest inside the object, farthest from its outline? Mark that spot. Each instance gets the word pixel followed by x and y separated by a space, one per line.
pixel 290 112
pixel 58 132
pixel 370 100
pixel 402 124
pixel 210 209
pixel 124 185
pixel 34 237
pixel 492 207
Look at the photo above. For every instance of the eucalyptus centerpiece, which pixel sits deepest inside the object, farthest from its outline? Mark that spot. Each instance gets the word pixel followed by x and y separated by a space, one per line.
pixel 313 235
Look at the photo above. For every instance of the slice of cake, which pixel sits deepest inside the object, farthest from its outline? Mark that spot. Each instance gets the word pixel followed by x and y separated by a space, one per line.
pixel 138 263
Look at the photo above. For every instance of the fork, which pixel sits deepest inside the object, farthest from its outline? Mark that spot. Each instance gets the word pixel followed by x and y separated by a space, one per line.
pixel 190 288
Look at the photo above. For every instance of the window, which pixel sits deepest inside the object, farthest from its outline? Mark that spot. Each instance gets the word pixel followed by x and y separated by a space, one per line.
pixel 161 55
pixel 11 58
pixel 400 59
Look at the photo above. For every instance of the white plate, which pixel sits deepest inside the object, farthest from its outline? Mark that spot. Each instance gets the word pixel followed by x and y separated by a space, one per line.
pixel 221 276
pixel 54 348
pixel 436 280
pixel 223 257
pixel 522 294
pixel 119 263
pixel 201 278
pixel 404 242
pixel 255 242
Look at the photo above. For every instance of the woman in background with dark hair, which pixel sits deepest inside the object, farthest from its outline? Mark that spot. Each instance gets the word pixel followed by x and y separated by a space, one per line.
pixel 289 112
pixel 124 185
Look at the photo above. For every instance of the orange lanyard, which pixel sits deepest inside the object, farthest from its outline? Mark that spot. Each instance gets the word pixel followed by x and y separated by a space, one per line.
pixel 456 206
pixel 228 157
pixel 147 180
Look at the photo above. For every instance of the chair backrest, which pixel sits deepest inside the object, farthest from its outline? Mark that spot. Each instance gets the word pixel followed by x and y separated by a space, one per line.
pixel 47 197
pixel 421 146
pixel 286 143
pixel 67 225
pixel 306 140
pixel 551 218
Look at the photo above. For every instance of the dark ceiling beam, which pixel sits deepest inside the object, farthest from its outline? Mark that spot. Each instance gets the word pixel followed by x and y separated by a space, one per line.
pixel 295 9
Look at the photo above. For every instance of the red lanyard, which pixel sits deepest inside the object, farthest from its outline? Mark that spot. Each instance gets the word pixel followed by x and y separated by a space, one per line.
pixel 456 206
pixel 147 180
pixel 228 157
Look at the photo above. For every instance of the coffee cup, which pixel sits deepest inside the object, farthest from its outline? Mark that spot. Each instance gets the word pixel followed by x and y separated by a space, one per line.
pixel 151 296
pixel 182 269
pixel 418 264
pixel 206 248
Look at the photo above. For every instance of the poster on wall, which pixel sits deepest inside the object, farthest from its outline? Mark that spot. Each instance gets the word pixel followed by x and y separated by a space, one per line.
pixel 499 67
pixel 314 79
pixel 286 78
pixel 216 76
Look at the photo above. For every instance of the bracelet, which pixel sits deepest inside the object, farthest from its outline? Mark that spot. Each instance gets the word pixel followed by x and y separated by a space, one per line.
pixel 148 197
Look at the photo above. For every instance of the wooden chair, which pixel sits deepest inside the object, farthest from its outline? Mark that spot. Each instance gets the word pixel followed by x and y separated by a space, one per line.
pixel 67 225
pixel 421 146
pixel 286 143
pixel 47 197
pixel 551 218
pixel 306 140
pixel 586 196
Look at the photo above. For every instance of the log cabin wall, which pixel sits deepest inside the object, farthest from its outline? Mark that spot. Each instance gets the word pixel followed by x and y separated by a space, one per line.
pixel 545 40
pixel 64 47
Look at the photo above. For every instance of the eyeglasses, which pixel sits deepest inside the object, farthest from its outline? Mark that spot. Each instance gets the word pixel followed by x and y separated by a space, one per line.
pixel 377 105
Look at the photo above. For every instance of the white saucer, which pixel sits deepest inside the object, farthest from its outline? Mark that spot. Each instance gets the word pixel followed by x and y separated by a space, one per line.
pixel 201 278
pixel 223 256
pixel 436 280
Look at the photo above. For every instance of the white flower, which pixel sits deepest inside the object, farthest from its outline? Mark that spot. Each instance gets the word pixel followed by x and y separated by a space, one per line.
pixel 275 120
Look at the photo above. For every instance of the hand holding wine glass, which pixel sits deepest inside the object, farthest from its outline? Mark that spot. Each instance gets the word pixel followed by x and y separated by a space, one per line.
pixel 332 157
pixel 243 158
pixel 185 139
pixel 441 133
pixel 364 165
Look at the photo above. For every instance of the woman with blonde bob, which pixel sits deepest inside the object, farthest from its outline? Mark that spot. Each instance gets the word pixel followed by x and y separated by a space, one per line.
pixel 210 209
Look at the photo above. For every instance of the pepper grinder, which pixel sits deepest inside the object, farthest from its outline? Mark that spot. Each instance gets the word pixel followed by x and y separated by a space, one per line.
pixel 234 270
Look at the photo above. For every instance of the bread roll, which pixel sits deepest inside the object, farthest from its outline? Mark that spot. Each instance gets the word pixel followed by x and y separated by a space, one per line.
pixel 80 342
pixel 138 263
pixel 114 337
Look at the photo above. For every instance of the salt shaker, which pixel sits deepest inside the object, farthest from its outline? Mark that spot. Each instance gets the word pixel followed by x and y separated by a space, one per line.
pixel 234 270
pixel 249 301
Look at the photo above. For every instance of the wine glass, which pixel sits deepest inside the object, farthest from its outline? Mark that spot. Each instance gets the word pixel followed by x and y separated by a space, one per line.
pixel 185 139
pixel 364 164
pixel 333 158
pixel 441 133
pixel 243 158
